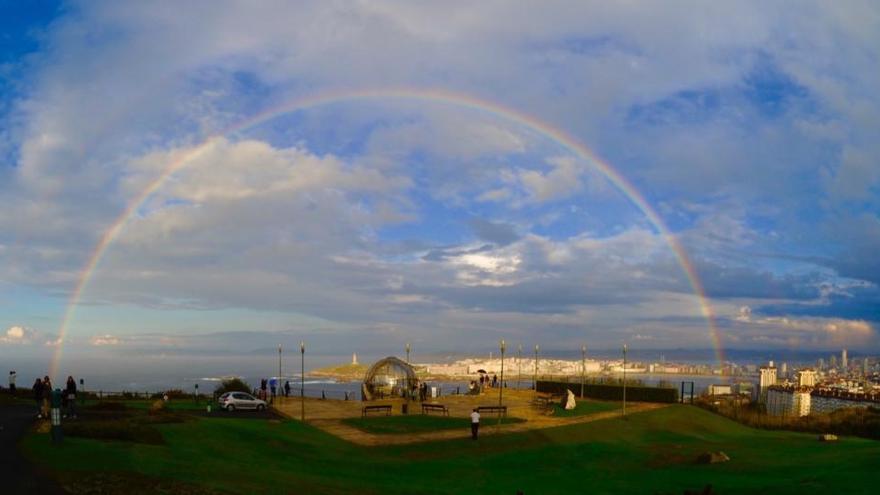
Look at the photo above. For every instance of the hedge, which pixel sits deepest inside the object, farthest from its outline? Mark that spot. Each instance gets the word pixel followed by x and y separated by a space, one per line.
pixel 612 392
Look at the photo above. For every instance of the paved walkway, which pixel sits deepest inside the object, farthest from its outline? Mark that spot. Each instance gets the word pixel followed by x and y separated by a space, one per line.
pixel 328 415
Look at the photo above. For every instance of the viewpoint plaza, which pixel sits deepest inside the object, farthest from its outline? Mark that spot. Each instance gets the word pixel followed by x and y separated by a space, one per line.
pixel 382 387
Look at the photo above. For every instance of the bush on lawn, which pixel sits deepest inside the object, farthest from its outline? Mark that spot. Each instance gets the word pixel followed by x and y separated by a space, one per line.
pixel 232 385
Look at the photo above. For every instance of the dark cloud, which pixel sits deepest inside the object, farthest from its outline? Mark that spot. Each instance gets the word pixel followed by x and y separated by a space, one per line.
pixel 498 233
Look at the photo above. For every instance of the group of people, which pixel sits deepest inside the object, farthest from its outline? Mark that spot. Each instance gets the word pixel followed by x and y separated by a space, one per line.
pixel 484 382
pixel 272 385
pixel 42 389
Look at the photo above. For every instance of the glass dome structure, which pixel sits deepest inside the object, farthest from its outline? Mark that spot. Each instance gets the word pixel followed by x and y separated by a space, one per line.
pixel 389 377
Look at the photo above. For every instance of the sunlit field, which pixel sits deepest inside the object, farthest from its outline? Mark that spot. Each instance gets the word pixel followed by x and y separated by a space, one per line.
pixel 649 452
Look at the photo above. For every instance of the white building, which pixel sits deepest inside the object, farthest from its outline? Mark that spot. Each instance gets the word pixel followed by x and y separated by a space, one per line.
pixel 720 389
pixel 768 378
pixel 843 361
pixel 787 401
pixel 806 377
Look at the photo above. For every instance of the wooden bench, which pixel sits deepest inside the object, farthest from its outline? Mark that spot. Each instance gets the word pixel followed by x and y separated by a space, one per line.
pixel 426 408
pixel 493 409
pixel 368 409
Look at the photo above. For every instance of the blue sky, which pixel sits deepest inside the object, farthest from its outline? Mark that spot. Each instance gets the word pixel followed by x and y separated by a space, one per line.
pixel 749 127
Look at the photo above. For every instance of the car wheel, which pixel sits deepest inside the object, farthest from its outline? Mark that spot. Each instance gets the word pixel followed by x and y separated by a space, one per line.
pixel 230 408
pixel 261 407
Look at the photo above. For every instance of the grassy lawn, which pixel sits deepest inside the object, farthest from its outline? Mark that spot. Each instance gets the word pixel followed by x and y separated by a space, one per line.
pixel 417 423
pixel 584 407
pixel 651 452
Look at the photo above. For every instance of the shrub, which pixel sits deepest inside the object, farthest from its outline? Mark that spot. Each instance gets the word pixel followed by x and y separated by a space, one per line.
pixel 232 385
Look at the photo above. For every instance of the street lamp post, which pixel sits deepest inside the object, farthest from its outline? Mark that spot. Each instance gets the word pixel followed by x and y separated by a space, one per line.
pixel 518 366
pixel 583 367
pixel 302 381
pixel 409 386
pixel 501 389
pixel 279 372
pixel 624 379
pixel 536 367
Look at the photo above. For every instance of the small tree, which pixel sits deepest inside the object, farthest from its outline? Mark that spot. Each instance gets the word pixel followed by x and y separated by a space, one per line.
pixel 232 385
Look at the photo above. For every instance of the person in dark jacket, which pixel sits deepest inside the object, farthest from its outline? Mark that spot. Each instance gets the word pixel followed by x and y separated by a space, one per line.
pixel 70 396
pixel 38 396
pixel 47 395
pixel 287 388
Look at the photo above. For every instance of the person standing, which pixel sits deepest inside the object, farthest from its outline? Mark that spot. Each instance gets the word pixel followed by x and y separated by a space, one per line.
pixel 38 396
pixel 287 388
pixel 475 424
pixel 70 395
pixel 47 395
pixel 12 382
pixel 494 381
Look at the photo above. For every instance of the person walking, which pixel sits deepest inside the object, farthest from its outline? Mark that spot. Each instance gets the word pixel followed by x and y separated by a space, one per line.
pixel 38 396
pixel 475 424
pixel 70 396
pixel 12 382
pixel 287 388
pixel 494 381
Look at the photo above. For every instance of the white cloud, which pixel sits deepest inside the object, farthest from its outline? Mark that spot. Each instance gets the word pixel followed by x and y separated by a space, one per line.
pixel 104 340
pixel 17 335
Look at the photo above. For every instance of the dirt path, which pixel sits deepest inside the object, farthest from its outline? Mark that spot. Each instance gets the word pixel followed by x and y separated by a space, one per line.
pixel 20 476
pixel 487 428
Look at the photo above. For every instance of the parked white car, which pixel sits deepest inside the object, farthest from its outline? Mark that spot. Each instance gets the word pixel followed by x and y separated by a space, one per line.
pixel 240 400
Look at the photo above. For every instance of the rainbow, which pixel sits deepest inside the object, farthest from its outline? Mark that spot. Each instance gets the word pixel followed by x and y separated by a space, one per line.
pixel 421 95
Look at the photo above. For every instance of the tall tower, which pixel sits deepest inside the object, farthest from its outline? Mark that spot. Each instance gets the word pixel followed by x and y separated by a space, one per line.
pixel 354 358
pixel 843 360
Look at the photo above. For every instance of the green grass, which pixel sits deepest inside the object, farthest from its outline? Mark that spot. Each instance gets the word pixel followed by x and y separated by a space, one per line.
pixel 651 452
pixel 417 423
pixel 584 407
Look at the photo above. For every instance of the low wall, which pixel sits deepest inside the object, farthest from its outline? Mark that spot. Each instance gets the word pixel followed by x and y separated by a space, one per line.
pixel 612 392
